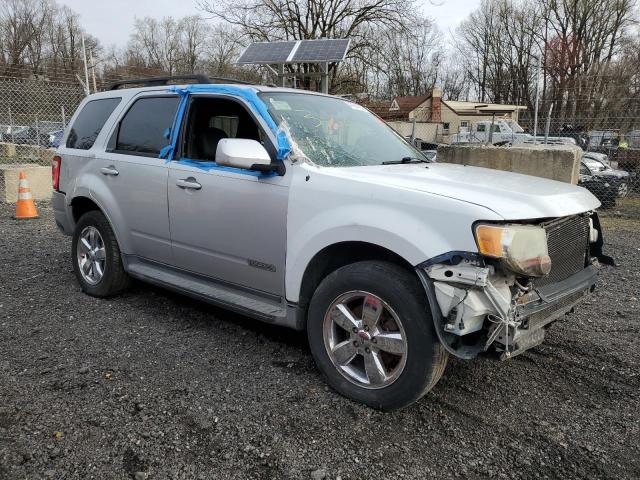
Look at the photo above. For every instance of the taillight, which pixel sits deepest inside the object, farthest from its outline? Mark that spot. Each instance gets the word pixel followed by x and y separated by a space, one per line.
pixel 56 163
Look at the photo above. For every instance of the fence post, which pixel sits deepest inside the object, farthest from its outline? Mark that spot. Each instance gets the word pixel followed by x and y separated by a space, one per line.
pixel 64 120
pixel 11 125
pixel 546 128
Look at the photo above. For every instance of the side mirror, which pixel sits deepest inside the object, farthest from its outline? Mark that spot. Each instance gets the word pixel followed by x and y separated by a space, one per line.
pixel 244 153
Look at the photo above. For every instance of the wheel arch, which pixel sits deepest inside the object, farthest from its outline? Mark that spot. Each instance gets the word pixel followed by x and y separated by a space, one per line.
pixel 85 202
pixel 337 255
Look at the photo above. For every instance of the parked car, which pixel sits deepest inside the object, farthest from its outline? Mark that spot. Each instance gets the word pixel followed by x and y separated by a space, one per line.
pixel 618 179
pixel 36 134
pixel 305 210
pixel 600 187
pixel 55 138
pixel 8 131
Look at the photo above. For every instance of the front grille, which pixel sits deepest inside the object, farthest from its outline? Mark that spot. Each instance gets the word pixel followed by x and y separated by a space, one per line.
pixel 568 243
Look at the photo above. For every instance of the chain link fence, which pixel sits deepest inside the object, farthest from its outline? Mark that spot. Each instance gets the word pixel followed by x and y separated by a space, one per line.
pixel 34 113
pixel 33 116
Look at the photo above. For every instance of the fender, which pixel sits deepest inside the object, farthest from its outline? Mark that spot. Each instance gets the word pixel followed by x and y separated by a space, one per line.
pixel 96 191
pixel 327 207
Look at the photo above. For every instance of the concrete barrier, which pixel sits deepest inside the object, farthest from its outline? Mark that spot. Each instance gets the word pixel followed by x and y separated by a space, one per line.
pixel 555 162
pixel 7 150
pixel 39 181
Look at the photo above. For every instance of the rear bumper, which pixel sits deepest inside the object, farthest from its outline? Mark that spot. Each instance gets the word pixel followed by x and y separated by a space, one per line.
pixel 62 213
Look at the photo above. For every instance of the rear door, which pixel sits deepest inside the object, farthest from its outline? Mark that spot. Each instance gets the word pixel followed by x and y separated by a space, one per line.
pixel 137 177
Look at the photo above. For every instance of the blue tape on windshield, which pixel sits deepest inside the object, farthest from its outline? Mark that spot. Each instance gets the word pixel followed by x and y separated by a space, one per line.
pixel 208 166
pixel 246 93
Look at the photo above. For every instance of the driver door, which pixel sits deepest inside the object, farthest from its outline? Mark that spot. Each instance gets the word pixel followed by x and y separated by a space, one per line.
pixel 227 224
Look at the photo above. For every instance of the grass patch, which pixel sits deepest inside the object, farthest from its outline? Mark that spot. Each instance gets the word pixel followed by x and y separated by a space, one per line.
pixel 624 216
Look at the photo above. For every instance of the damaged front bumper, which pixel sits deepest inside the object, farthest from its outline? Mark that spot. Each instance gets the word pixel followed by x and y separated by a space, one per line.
pixel 477 308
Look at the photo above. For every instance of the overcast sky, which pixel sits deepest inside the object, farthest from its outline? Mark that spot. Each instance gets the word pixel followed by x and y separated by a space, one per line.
pixel 111 21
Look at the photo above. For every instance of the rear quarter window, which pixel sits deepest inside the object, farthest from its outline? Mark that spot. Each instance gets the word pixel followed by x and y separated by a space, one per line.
pixel 89 123
pixel 143 129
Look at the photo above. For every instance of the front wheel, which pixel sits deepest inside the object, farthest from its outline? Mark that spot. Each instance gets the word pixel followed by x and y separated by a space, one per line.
pixel 371 334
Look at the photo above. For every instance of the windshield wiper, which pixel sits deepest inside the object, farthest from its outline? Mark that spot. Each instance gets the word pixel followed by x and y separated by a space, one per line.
pixel 406 160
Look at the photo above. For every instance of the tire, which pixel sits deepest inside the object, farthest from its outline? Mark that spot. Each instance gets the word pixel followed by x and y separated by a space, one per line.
pixel 113 279
pixel 401 296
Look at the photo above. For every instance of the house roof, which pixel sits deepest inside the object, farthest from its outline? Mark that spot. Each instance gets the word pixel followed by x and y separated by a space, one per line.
pixel 409 103
pixel 400 107
pixel 480 107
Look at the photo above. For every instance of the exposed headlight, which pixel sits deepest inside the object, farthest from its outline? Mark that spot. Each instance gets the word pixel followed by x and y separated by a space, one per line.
pixel 522 248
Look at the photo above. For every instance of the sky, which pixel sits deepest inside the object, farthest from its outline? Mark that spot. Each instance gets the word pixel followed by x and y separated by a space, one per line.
pixel 111 21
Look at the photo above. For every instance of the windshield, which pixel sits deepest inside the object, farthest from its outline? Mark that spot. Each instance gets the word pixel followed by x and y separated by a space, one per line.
pixel 332 132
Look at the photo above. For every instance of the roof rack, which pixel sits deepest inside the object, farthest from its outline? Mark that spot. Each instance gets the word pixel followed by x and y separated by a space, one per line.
pixel 159 81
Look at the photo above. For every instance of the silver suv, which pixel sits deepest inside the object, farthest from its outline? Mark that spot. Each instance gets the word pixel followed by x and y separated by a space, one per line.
pixel 306 210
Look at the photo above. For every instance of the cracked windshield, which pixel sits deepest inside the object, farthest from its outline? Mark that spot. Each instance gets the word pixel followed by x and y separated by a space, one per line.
pixel 335 133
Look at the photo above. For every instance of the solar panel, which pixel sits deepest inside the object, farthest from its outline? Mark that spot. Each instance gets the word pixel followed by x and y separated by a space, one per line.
pixel 301 51
pixel 325 50
pixel 267 52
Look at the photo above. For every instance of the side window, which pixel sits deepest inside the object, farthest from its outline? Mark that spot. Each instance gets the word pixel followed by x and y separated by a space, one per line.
pixel 143 130
pixel 89 123
pixel 584 170
pixel 210 120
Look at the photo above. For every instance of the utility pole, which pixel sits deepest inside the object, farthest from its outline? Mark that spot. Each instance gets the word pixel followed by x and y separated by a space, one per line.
pixel 86 68
pixel 535 111
pixel 93 71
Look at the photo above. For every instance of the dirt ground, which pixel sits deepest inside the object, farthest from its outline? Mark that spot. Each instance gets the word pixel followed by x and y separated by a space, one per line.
pixel 155 385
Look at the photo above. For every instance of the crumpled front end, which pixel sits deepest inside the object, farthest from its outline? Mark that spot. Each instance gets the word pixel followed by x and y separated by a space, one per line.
pixel 481 303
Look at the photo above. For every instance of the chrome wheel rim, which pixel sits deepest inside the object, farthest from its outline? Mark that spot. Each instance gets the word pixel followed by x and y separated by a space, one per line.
pixel 91 255
pixel 365 339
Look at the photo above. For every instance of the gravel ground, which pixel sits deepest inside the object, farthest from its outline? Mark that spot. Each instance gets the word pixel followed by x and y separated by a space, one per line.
pixel 155 385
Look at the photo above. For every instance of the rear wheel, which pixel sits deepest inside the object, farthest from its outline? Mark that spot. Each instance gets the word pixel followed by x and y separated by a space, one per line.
pixel 96 257
pixel 371 334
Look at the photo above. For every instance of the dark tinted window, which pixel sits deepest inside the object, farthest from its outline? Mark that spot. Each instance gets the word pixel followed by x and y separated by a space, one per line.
pixel 143 130
pixel 90 121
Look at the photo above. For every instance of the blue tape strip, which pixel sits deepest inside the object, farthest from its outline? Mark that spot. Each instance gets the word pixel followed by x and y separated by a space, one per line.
pixel 207 166
pixel 246 93
pixel 168 151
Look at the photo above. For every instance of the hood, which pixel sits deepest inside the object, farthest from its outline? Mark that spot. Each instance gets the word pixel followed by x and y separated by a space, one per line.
pixel 511 195
pixel 612 173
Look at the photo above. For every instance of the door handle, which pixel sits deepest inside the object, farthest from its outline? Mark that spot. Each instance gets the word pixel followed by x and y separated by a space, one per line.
pixel 109 171
pixel 188 183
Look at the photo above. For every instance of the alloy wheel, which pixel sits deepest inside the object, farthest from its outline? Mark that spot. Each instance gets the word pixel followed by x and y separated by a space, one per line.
pixel 91 255
pixel 365 339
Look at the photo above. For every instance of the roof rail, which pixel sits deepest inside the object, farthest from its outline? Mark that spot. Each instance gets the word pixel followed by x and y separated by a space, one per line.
pixel 158 81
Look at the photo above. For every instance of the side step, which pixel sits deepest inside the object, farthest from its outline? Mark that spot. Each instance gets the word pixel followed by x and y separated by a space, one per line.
pixel 202 288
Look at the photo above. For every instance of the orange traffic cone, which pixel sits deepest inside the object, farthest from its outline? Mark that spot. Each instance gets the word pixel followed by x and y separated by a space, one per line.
pixel 26 207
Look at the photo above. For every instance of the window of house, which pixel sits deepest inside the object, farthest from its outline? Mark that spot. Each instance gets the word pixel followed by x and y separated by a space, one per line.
pixel 481 127
pixel 445 127
pixel 209 120
pixel 143 130
pixel 89 123
pixel 464 124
